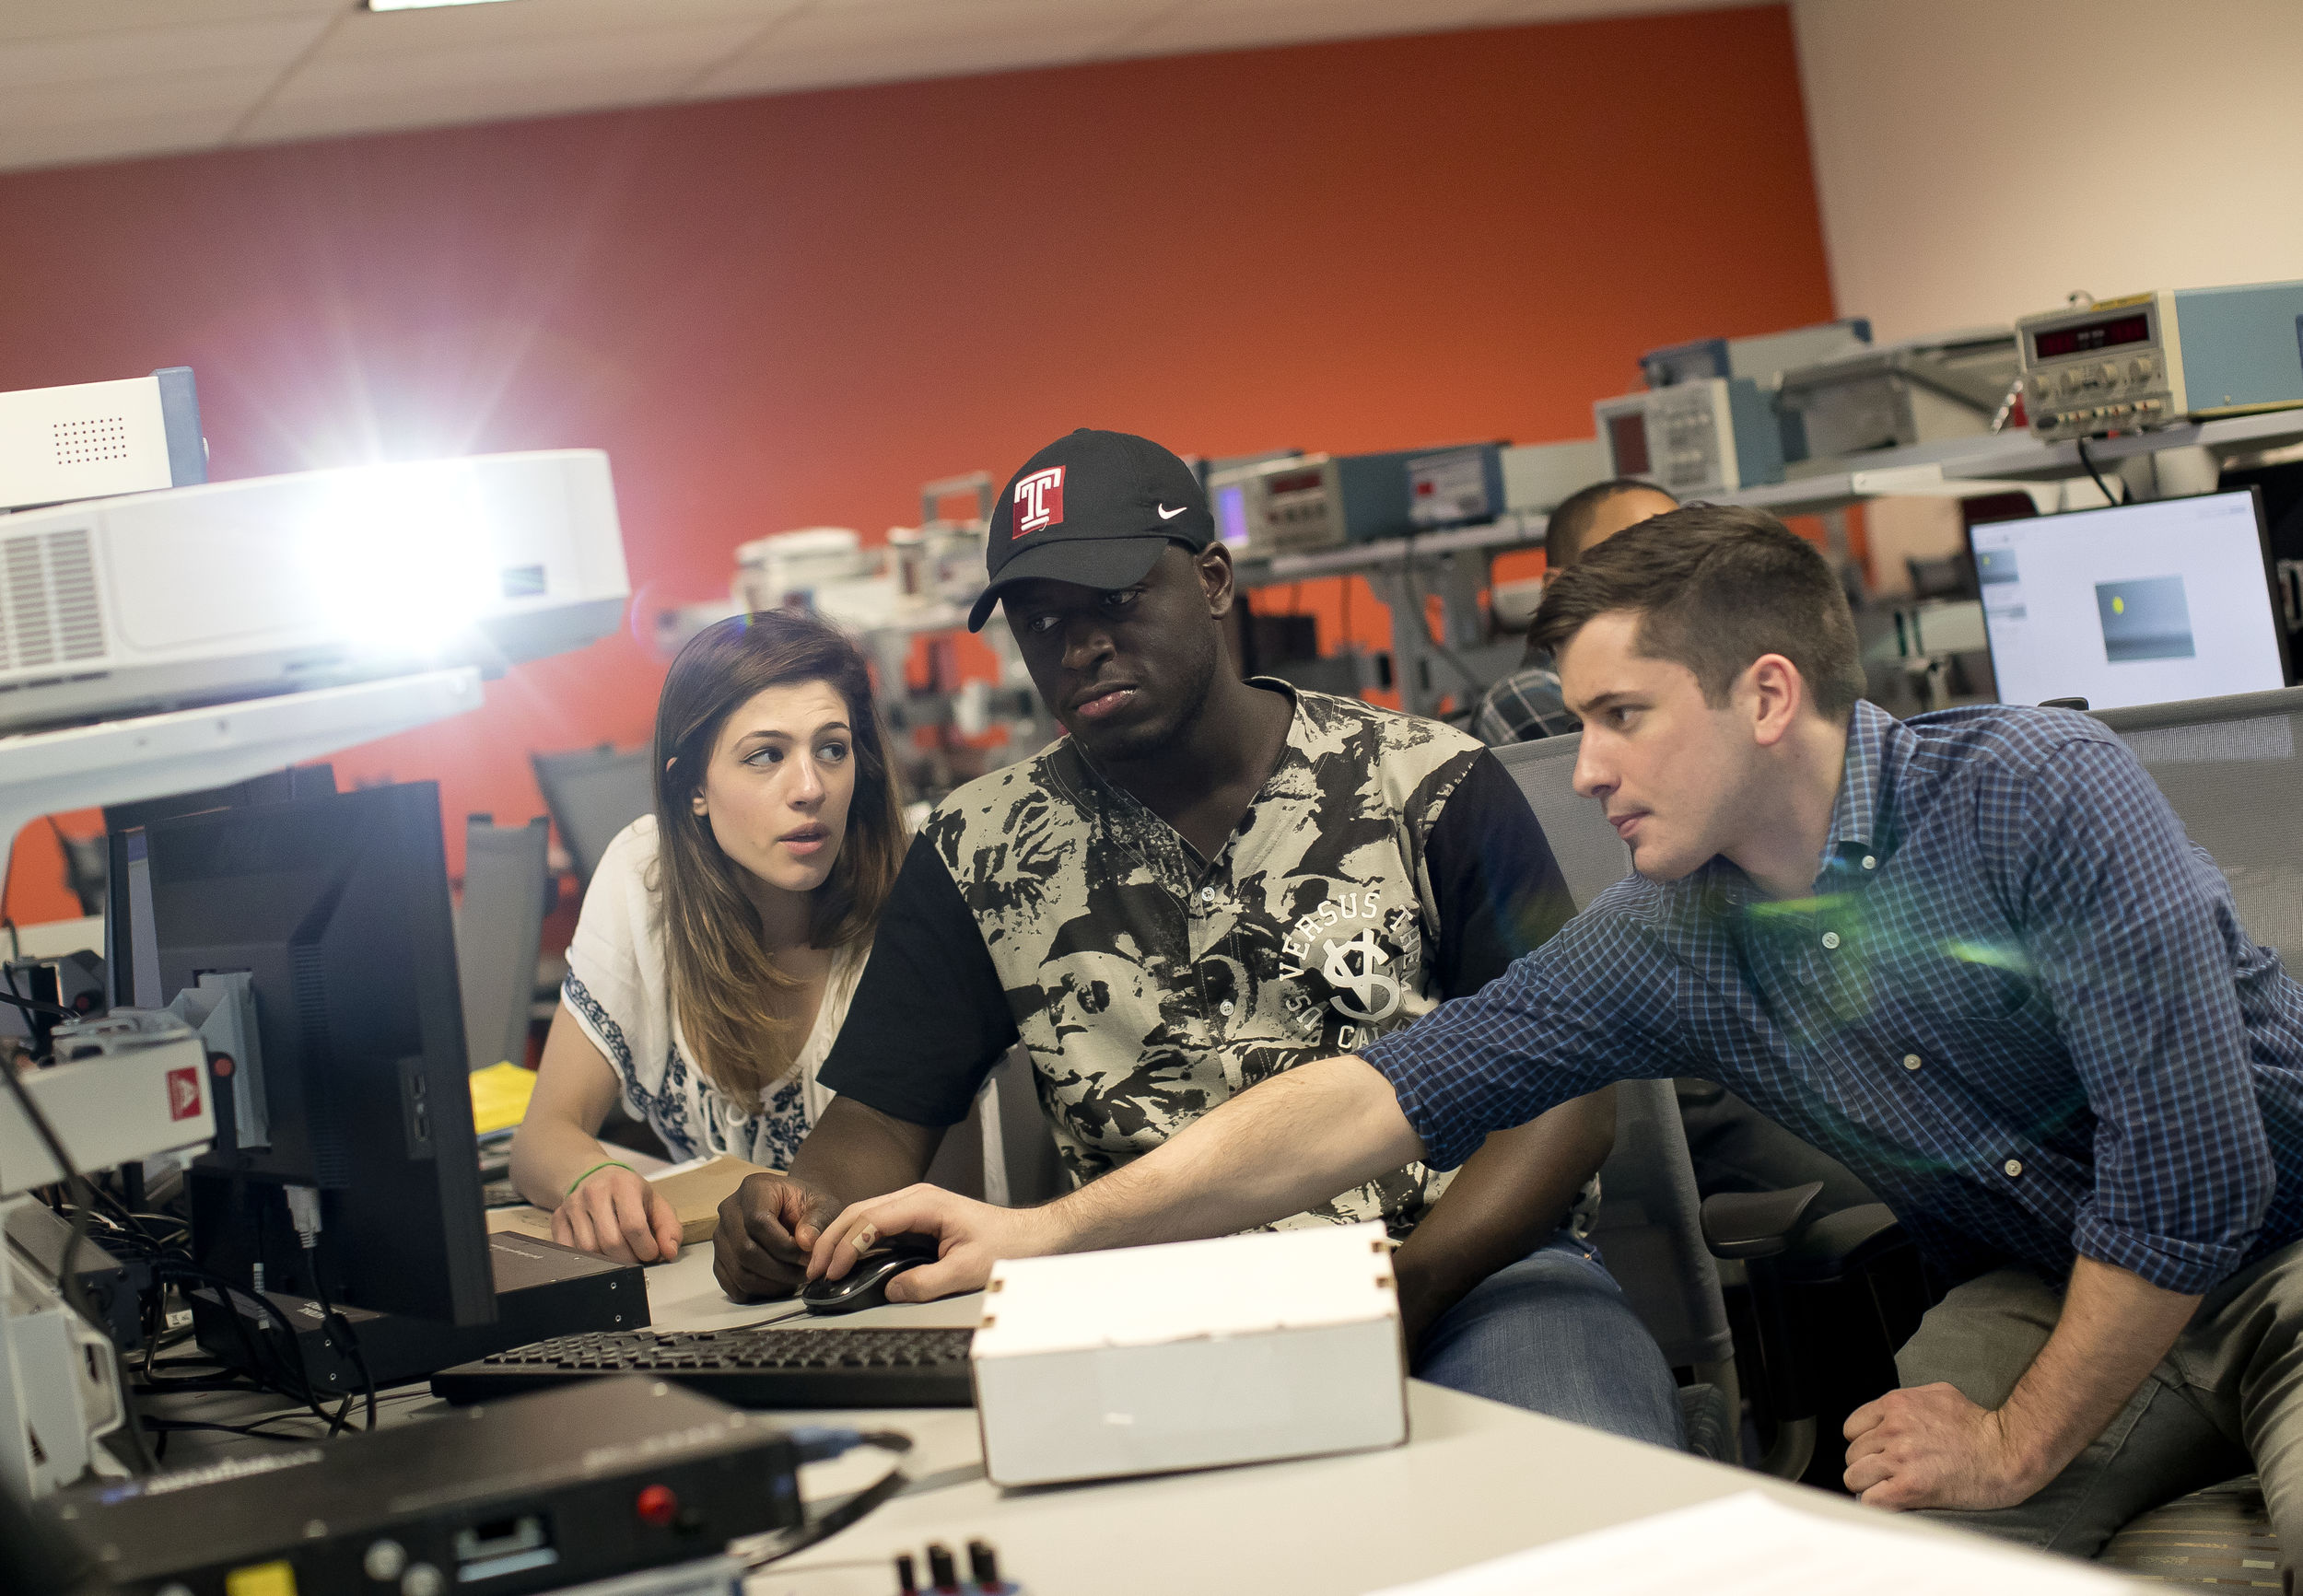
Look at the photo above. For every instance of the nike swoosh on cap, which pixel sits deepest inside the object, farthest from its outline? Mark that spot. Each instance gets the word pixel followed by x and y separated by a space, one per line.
pixel 1168 515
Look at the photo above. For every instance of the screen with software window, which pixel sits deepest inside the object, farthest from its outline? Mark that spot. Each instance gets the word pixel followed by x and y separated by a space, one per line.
pixel 2136 604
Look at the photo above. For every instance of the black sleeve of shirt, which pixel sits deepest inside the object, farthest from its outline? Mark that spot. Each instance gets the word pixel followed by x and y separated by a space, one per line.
pixel 929 1017
pixel 1500 893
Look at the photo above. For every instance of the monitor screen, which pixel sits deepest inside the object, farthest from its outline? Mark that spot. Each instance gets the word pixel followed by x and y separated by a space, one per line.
pixel 2136 604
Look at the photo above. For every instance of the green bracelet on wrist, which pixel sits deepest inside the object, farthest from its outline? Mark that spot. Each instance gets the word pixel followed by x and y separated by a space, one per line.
pixel 602 1164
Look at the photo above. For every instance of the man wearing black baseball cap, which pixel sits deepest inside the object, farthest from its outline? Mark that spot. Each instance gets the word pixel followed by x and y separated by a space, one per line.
pixel 1208 881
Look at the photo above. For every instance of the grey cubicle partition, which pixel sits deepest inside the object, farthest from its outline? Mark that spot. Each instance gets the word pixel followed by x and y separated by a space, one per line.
pixel 594 793
pixel 1650 1228
pixel 2229 767
pixel 498 928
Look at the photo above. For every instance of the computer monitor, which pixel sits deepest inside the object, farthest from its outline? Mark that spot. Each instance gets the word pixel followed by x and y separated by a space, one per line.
pixel 2136 604
pixel 337 907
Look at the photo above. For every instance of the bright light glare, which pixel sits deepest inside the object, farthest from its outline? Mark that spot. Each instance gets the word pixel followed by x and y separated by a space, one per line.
pixel 422 4
pixel 400 558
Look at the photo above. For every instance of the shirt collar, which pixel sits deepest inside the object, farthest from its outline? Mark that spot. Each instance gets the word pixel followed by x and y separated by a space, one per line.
pixel 1862 814
pixel 1856 813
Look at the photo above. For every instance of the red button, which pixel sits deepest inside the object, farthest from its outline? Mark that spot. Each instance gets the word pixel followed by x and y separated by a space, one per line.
pixel 657 1505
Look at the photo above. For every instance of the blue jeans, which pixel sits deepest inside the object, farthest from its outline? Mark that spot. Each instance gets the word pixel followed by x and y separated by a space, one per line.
pixel 1553 1335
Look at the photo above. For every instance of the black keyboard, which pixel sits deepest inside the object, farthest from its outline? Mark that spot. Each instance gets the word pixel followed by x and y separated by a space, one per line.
pixel 766 1368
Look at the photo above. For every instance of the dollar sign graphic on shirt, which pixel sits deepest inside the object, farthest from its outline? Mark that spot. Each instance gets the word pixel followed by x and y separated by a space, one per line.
pixel 1377 993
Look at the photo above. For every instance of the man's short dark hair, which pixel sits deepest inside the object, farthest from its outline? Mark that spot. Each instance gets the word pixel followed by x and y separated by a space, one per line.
pixel 1715 587
pixel 1569 525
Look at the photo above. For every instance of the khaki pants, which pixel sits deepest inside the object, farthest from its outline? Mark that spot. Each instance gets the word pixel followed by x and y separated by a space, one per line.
pixel 2227 1399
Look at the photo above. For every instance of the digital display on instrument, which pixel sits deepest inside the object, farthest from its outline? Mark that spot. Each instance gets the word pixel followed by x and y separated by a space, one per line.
pixel 2091 335
pixel 1627 439
pixel 1296 482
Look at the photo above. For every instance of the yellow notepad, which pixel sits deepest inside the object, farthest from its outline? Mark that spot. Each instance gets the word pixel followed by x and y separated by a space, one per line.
pixel 499 1097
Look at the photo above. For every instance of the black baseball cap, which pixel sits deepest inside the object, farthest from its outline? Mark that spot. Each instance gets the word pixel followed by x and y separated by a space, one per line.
pixel 1096 508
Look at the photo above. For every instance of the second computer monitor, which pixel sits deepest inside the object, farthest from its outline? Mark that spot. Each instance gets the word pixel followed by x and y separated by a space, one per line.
pixel 338 908
pixel 2136 604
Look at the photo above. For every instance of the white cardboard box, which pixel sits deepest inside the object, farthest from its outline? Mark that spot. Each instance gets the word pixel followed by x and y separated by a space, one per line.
pixel 1190 1356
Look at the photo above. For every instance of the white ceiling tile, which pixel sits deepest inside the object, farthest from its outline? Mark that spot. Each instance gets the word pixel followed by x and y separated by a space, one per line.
pixel 60 144
pixel 877 41
pixel 454 104
pixel 467 26
pixel 670 55
pixel 1510 11
pixel 271 41
pixel 180 93
pixel 1247 24
pixel 68 18
pixel 95 79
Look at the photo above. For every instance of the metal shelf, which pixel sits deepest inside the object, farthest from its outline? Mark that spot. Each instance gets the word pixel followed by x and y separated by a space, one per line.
pixel 2027 459
pixel 185 750
pixel 2011 461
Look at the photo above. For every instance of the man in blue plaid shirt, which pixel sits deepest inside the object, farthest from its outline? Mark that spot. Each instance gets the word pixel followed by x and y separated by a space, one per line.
pixel 1973 955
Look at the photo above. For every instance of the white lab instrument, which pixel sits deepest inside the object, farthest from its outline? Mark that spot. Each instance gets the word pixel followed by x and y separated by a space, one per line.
pixel 1714 436
pixel 93 438
pixel 2150 359
pixel 230 590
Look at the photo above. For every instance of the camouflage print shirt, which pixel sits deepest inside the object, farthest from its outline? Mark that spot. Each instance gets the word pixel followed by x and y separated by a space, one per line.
pixel 1387 863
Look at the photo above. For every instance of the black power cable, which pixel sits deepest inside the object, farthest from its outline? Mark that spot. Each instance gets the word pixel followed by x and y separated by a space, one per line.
pixel 341 1338
pixel 848 1512
pixel 2101 486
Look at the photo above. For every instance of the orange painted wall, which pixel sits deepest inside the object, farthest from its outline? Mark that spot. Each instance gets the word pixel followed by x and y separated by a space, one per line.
pixel 792 311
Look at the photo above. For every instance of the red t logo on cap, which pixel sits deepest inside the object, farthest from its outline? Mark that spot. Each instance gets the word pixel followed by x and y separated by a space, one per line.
pixel 1039 500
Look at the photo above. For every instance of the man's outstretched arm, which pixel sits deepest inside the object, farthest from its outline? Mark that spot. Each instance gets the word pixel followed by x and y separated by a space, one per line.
pixel 1288 1144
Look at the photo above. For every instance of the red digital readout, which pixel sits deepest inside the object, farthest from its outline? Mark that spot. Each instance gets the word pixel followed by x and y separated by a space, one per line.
pixel 2135 329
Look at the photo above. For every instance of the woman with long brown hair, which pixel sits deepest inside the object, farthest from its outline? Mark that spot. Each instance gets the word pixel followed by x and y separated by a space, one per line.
pixel 722 936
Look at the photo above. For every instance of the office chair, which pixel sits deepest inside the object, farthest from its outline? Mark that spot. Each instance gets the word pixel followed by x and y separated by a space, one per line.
pixel 2229 767
pixel 594 793
pixel 499 926
pixel 1648 1229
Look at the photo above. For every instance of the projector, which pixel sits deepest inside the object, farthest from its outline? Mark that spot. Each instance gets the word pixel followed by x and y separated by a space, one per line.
pixel 239 590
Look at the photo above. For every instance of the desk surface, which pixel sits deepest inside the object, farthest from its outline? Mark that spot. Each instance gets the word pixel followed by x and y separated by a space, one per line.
pixel 1475 1480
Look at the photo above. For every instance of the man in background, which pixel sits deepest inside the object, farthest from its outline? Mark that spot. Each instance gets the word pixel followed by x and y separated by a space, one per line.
pixel 1527 704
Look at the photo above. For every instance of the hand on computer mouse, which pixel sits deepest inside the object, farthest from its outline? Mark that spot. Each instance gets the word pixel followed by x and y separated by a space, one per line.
pixel 970 1236
pixel 767 1228
pixel 616 1214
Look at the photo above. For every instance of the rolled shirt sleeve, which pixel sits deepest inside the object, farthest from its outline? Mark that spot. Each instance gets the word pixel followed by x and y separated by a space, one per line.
pixel 1590 1007
pixel 2129 930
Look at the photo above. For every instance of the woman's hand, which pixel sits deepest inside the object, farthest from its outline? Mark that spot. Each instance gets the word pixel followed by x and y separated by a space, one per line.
pixel 614 1213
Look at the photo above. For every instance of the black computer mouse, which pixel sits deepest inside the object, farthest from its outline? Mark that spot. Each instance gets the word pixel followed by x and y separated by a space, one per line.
pixel 866 1283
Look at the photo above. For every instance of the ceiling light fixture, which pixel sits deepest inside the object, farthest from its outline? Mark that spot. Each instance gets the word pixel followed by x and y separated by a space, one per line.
pixel 421 4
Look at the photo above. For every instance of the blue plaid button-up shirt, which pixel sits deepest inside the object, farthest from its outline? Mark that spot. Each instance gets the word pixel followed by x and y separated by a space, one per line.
pixel 2019 1005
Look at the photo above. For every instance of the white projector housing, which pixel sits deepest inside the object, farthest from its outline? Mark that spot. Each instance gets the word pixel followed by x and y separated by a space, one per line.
pixel 238 590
